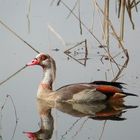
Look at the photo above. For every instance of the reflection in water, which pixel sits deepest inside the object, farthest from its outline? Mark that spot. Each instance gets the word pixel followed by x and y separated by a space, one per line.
pixel 2 107
pixel 47 123
pixel 96 111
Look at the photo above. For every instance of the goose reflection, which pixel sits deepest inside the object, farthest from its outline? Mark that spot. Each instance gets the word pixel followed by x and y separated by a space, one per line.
pixel 46 123
pixel 96 111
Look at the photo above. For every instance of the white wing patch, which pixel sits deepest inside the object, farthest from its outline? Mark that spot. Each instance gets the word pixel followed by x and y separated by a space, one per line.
pixel 88 95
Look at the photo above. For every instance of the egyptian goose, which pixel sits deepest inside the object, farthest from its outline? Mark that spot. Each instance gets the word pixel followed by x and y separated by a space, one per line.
pixel 78 92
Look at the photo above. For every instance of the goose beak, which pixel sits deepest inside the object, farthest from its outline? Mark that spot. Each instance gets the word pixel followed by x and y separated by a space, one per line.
pixel 30 135
pixel 33 62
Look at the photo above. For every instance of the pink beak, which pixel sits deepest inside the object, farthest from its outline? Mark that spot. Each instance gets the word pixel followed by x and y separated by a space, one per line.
pixel 33 62
pixel 30 135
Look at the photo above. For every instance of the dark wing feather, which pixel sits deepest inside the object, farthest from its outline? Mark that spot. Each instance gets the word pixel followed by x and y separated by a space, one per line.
pixel 116 84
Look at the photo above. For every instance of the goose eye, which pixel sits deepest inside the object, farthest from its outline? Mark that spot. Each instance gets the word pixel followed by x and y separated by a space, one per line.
pixel 43 57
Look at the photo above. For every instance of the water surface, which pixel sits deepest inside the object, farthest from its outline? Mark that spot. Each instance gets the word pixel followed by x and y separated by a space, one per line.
pixel 19 111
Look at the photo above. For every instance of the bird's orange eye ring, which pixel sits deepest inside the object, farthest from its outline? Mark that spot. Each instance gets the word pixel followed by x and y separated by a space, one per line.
pixel 43 57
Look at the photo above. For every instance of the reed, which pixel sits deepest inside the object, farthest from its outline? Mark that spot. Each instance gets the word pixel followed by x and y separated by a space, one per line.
pixel 109 30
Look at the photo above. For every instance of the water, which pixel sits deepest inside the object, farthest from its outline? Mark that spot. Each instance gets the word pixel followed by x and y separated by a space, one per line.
pixel 20 114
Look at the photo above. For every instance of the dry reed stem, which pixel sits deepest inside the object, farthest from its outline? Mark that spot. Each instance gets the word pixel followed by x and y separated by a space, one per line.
pixel 15 112
pixel 89 32
pixel 28 16
pixel 129 8
pixel 58 2
pixel 70 128
pixel 15 34
pixel 93 14
pixel 20 38
pixel 57 34
pixel 67 7
pixel 94 35
pixel 79 14
pixel 78 131
pixel 16 117
pixel 107 50
pixel 75 5
pixel 8 78
pixel 106 30
pixel 86 53
pixel 134 4
pixel 120 44
pixel 122 68
pixel 103 130
pixel 106 24
pixel 122 18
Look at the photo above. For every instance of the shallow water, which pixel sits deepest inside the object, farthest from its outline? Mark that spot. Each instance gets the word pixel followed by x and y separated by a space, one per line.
pixel 19 111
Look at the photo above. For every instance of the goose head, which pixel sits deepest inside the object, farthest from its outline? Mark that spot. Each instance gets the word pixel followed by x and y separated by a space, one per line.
pixel 43 60
pixel 48 65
